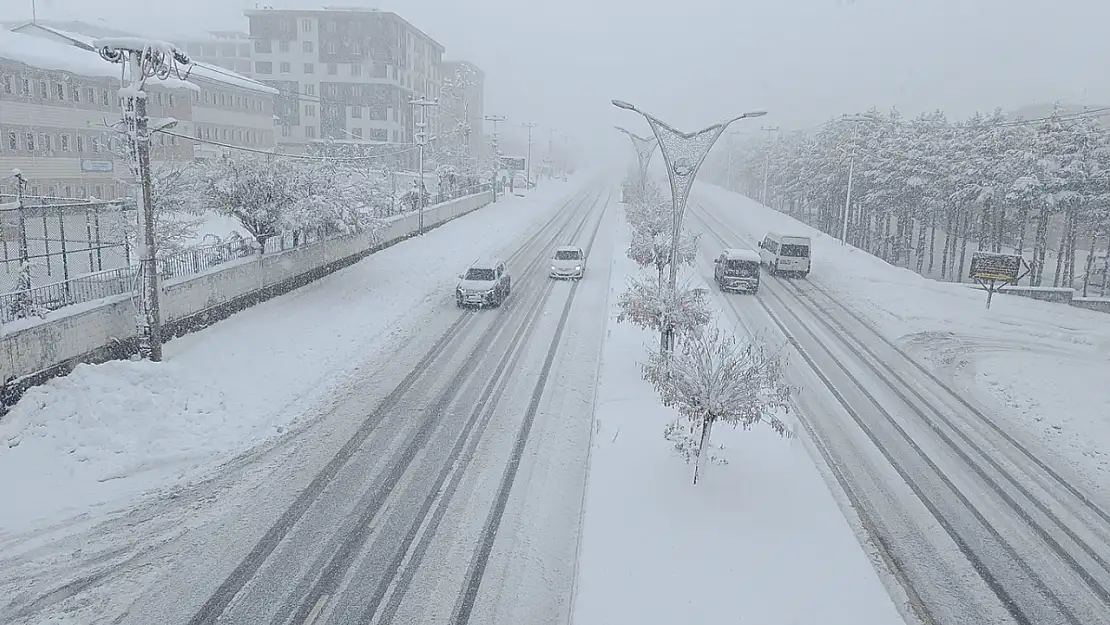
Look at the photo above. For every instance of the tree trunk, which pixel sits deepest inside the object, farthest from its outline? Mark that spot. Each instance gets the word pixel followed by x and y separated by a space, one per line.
pixel 1000 226
pixel 703 445
pixel 922 233
pixel 949 248
pixel 932 239
pixel 1106 263
pixel 1040 245
pixel 963 248
pixel 1061 248
pixel 1090 263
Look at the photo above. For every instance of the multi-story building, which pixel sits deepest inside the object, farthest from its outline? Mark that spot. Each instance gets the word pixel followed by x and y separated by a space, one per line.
pixel 228 108
pixel 57 107
pixel 345 75
pixel 228 49
pixel 463 102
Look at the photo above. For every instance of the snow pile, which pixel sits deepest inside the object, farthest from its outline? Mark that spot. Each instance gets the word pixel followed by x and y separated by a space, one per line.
pixel 103 423
pixel 758 540
pixel 1040 365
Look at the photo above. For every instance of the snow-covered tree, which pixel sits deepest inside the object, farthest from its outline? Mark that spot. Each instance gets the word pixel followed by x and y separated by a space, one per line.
pixel 715 378
pixel 650 304
pixel 648 250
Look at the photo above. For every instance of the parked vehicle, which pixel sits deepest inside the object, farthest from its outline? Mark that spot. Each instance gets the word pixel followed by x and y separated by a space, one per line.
pixel 785 254
pixel 568 261
pixel 485 283
pixel 737 270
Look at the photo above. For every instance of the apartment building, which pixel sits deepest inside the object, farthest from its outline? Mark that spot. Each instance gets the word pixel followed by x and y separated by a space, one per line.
pixel 463 101
pixel 57 105
pixel 228 49
pixel 228 108
pixel 345 75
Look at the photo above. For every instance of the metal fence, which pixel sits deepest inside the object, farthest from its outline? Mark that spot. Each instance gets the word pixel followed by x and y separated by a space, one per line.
pixel 16 304
pixel 65 238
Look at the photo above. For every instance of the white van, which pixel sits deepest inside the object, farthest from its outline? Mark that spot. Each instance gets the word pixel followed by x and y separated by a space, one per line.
pixel 785 254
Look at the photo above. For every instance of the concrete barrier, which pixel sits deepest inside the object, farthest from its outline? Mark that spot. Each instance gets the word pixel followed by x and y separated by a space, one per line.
pixel 106 329
pixel 1100 304
pixel 1060 295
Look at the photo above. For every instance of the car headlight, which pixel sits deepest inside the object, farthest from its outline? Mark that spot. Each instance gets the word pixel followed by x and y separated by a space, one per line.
pixel 578 268
pixel 553 268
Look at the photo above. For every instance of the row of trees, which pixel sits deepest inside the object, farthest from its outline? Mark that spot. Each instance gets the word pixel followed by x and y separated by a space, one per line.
pixel 704 373
pixel 989 182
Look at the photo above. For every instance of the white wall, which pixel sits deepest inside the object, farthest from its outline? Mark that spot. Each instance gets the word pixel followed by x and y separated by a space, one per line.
pixel 89 328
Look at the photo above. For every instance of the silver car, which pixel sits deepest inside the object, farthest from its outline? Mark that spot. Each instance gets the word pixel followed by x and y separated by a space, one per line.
pixel 568 262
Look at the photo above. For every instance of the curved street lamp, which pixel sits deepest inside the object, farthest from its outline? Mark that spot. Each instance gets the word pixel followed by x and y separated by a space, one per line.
pixel 683 154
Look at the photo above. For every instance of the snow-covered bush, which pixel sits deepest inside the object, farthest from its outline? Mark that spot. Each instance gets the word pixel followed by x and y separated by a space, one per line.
pixel 651 305
pixel 714 377
pixel 648 250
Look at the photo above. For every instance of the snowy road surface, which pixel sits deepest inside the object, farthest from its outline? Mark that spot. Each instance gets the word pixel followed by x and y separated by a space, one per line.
pixel 425 493
pixel 981 527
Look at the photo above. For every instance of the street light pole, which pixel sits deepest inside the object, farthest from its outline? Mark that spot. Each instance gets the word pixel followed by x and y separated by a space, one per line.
pixel 766 162
pixel 495 119
pixel 421 141
pixel 683 154
pixel 645 148
pixel 851 170
pixel 528 165
pixel 146 59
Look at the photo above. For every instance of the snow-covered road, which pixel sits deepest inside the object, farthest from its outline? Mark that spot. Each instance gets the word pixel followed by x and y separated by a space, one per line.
pixel 420 492
pixel 980 527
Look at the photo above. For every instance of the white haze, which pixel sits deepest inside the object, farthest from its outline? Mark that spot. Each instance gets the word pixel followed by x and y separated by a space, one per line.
pixel 560 62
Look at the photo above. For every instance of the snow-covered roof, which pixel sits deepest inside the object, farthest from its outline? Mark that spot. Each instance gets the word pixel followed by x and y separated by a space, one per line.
pixel 779 235
pixel 485 263
pixel 201 72
pixel 742 254
pixel 567 248
pixel 55 56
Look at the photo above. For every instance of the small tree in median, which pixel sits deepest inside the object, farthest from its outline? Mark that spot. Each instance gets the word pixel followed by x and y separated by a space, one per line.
pixel 652 305
pixel 714 377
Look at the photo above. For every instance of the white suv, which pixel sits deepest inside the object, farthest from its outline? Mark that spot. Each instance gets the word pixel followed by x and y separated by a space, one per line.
pixel 568 261
pixel 485 283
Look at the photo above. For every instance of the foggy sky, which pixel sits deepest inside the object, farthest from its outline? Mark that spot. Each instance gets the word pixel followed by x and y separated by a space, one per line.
pixel 559 62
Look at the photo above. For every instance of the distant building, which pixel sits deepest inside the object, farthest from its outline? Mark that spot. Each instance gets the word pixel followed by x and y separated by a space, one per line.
pixel 228 108
pixel 57 102
pixel 230 50
pixel 464 101
pixel 346 76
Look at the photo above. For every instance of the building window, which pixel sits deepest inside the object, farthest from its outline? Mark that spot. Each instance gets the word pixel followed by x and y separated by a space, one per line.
pixel 75 93
pixel 307 46
pixel 43 91
pixel 238 102
pixel 309 68
pixel 310 132
pixel 79 143
pixel 94 144
pixel 263 46
pixel 60 91
pixel 285 130
pixel 223 133
pixel 158 98
pixel 356 69
pixel 106 100
pixel 30 142
pixel 47 142
pixel 169 100
pixel 356 112
pixel 310 110
pixel 333 69
pixel 286 68
pixel 283 46
pixel 331 26
pixel 99 191
pixel 13 141
pixel 310 89
pixel 356 132
pixel 223 99
pixel 63 142
pixel 331 47
pixel 306 26
pixel 264 67
pixel 8 85
pixel 90 96
pixel 25 87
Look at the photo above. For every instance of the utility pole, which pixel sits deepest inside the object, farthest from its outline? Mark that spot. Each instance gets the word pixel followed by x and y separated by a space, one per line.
pixel 24 249
pixel 146 59
pixel 496 119
pixel 766 161
pixel 421 137
pixel 528 165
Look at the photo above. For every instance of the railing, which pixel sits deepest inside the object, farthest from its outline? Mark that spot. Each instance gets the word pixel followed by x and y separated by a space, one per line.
pixel 94 286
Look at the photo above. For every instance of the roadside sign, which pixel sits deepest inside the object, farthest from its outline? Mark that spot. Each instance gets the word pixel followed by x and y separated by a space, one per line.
pixel 512 163
pixel 993 271
pixel 995 266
